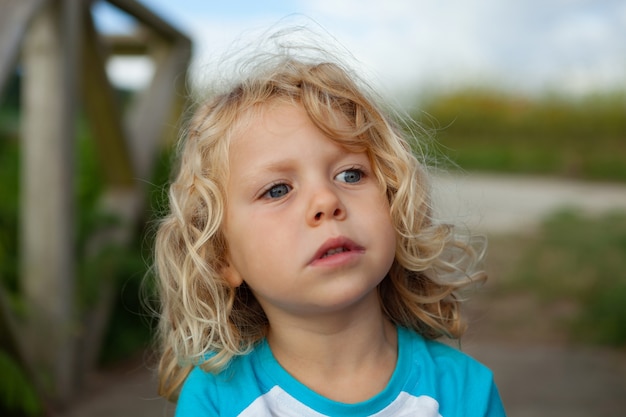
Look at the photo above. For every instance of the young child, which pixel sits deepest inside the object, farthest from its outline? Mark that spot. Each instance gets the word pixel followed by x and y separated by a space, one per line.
pixel 301 270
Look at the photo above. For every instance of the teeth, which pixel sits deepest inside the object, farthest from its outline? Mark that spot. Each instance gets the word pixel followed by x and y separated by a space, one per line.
pixel 333 251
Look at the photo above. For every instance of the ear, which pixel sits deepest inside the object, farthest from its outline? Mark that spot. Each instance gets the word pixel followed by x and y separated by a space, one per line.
pixel 232 276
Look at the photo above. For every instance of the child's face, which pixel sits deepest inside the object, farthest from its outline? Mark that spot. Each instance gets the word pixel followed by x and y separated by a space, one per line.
pixel 307 226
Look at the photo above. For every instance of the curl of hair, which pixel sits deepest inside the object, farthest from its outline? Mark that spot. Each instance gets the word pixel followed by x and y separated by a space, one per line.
pixel 206 322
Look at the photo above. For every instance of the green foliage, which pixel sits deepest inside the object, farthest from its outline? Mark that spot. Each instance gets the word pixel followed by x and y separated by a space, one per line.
pixel 9 197
pixel 582 259
pixel 17 395
pixel 129 328
pixel 132 321
pixel 9 201
pixel 486 130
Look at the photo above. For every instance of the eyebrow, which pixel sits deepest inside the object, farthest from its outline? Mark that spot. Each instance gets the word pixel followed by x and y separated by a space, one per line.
pixel 251 177
pixel 281 165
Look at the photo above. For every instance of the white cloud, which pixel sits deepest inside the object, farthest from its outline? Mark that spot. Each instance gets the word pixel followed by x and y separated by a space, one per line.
pixel 130 72
pixel 573 45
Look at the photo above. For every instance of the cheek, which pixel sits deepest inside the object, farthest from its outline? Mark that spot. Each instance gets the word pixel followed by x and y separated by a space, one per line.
pixel 387 229
pixel 389 235
pixel 235 240
pixel 240 258
pixel 253 243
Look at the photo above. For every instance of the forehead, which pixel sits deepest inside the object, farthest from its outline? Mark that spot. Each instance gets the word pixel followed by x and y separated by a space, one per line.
pixel 282 116
pixel 268 128
pixel 261 115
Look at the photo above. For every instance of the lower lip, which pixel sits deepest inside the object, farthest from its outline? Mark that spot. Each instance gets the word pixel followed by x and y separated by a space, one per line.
pixel 338 259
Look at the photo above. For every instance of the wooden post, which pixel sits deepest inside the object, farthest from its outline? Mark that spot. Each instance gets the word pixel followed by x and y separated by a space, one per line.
pixel 47 192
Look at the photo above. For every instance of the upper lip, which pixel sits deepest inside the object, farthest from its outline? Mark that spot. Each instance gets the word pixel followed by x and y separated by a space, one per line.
pixel 336 243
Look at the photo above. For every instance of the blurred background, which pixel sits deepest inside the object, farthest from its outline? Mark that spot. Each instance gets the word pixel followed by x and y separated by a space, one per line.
pixel 523 105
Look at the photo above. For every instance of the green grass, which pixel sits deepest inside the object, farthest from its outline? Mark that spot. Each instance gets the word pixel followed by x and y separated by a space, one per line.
pixel 580 259
pixel 493 131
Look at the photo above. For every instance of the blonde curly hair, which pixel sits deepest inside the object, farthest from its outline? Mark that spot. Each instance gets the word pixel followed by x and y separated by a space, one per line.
pixel 205 321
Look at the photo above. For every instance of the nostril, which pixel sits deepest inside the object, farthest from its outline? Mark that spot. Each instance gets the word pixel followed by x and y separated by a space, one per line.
pixel 318 215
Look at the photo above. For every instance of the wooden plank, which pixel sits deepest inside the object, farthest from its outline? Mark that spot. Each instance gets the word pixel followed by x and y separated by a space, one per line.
pixel 151 116
pixel 14 18
pixel 152 20
pixel 136 44
pixel 104 111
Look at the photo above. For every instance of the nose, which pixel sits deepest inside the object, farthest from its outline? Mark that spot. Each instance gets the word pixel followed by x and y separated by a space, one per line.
pixel 325 204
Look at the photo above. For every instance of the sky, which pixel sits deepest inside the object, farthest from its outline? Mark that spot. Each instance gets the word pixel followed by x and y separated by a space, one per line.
pixel 568 46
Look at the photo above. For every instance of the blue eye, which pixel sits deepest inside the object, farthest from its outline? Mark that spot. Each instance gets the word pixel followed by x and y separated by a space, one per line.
pixel 277 191
pixel 350 176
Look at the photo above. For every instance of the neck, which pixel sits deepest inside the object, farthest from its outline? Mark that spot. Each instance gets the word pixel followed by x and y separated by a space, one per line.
pixel 357 351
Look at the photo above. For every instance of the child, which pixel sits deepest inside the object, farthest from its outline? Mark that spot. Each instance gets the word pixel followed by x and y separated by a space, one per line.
pixel 301 270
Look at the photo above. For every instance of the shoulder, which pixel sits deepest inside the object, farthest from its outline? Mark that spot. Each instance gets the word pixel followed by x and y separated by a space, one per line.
pixel 461 384
pixel 198 394
pixel 223 393
pixel 442 356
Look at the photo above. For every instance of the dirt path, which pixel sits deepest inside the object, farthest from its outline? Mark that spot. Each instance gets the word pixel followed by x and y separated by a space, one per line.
pixel 504 203
pixel 537 371
pixel 123 392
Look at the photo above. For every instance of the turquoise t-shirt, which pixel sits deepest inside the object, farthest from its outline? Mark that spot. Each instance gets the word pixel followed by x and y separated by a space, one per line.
pixel 430 379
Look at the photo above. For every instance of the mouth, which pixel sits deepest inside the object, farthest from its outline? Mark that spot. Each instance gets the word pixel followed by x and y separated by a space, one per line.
pixel 334 251
pixel 336 246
